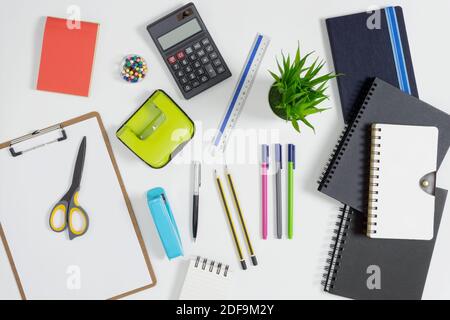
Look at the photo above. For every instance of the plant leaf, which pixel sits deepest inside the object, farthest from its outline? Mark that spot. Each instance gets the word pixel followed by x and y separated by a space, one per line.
pixel 303 60
pixel 297 96
pixel 297 56
pixel 316 70
pixel 323 79
pixel 311 68
pixel 301 87
pixel 280 69
pixel 303 119
pixel 277 78
pixel 295 125
pixel 313 110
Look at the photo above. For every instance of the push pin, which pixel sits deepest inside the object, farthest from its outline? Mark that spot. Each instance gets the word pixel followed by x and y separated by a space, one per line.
pixel 134 68
pixel 425 183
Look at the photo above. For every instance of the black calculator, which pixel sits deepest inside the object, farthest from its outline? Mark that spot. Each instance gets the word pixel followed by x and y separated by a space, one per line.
pixel 189 51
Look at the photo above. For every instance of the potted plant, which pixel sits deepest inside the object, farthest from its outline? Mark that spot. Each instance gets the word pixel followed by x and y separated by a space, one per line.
pixel 298 89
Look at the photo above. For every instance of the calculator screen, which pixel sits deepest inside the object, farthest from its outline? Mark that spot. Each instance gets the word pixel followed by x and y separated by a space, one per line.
pixel 179 34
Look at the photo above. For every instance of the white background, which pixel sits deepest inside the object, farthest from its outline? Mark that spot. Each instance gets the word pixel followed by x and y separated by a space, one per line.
pixel 288 268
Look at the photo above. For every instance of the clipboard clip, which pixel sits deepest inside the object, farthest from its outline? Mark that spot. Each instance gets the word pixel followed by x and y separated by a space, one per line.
pixel 165 222
pixel 36 134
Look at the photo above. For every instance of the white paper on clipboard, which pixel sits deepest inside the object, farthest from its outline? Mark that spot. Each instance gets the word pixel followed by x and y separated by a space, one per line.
pixel 106 262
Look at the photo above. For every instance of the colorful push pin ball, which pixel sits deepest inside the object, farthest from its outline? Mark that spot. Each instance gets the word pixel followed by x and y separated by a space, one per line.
pixel 134 68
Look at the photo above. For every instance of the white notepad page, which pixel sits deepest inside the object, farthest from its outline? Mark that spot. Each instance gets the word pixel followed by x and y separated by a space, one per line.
pixel 401 156
pixel 206 280
pixel 108 259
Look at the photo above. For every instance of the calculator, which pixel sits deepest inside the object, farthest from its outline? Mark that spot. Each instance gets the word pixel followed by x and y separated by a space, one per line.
pixel 189 51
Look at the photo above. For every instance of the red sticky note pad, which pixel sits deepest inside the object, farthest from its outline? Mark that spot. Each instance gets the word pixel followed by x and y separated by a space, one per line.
pixel 67 56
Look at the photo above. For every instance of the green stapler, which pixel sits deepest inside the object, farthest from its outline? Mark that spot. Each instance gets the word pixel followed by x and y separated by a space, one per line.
pixel 157 131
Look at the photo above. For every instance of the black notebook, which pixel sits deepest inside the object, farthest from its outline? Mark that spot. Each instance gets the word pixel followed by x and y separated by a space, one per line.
pixel 368 45
pixel 359 267
pixel 346 175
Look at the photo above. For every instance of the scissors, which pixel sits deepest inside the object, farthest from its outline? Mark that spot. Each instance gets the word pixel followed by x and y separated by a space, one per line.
pixel 67 211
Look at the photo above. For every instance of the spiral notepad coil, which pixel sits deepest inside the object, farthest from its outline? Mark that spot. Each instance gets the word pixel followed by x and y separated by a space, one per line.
pixel 375 155
pixel 211 266
pixel 342 143
pixel 337 246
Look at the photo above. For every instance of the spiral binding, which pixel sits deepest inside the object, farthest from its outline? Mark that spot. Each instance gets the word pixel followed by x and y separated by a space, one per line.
pixel 375 154
pixel 342 143
pixel 202 263
pixel 337 246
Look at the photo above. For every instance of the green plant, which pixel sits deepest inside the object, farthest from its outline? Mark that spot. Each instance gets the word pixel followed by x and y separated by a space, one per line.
pixel 298 89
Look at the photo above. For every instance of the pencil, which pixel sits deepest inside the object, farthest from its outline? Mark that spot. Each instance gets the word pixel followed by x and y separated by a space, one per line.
pixel 241 217
pixel 230 221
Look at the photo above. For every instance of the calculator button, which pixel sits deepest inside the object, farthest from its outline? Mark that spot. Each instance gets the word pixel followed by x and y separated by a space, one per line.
pixel 180 73
pixel 220 69
pixel 184 62
pixel 197 46
pixel 205 41
pixel 204 79
pixel 209 48
pixel 172 59
pixel 180 55
pixel 188 69
pixel 204 60
pixel 189 50
pixel 183 80
pixel 201 53
pixel 191 76
pixel 210 70
pixel 187 88
pixel 213 55
pixel 195 83
pixel 197 64
pixel 217 62
pixel 193 57
pixel 176 66
pixel 200 72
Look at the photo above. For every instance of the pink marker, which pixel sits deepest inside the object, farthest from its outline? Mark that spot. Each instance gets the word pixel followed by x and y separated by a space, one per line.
pixel 264 168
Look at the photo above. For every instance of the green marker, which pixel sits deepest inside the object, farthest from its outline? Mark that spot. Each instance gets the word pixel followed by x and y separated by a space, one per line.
pixel 291 167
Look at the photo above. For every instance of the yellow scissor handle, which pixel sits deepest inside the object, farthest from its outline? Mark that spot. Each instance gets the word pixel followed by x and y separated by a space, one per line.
pixel 73 213
pixel 75 199
pixel 59 209
pixel 69 215
pixel 77 214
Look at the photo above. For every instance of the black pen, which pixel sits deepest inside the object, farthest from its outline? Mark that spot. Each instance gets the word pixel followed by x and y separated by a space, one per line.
pixel 197 183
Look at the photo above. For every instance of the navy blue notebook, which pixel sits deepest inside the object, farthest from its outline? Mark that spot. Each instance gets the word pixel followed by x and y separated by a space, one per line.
pixel 368 45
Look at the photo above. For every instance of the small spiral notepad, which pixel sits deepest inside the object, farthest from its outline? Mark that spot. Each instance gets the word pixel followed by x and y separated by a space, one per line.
pixel 206 279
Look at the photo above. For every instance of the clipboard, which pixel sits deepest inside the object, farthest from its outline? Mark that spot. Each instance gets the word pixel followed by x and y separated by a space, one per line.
pixel 121 225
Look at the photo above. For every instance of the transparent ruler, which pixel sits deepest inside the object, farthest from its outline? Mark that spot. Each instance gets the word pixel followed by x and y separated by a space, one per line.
pixel 240 93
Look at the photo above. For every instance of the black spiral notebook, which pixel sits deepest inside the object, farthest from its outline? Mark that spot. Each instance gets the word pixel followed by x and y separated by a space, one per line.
pixel 346 175
pixel 368 45
pixel 359 267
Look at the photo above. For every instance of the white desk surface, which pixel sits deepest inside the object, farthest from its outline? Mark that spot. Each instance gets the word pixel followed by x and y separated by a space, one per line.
pixel 288 269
